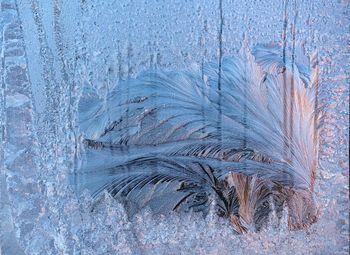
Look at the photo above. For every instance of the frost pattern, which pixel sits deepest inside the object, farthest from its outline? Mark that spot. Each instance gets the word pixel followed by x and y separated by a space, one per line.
pixel 49 49
pixel 243 136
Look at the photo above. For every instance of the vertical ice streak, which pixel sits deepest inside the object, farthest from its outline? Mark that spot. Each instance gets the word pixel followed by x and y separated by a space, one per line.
pixel 292 88
pixel 18 144
pixel 221 24
pixel 285 82
pixel 284 49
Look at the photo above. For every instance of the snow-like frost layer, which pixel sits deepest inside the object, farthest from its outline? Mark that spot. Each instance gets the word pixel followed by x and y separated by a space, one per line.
pixel 48 48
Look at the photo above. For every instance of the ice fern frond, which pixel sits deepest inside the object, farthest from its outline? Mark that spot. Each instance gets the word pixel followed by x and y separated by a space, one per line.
pixel 176 141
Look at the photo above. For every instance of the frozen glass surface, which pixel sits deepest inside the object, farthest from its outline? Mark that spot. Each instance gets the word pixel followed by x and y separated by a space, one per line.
pixel 63 62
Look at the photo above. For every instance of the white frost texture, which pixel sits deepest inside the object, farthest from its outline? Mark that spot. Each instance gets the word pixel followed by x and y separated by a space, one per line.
pixel 53 50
